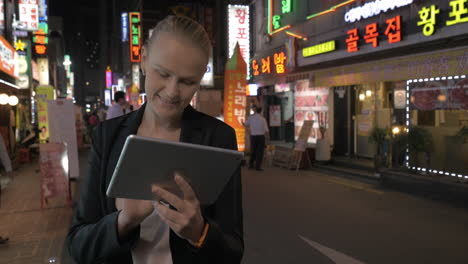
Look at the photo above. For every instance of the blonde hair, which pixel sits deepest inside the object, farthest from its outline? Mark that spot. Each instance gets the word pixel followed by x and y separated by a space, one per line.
pixel 186 28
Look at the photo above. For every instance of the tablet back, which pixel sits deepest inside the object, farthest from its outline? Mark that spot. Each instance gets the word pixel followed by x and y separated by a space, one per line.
pixel 147 161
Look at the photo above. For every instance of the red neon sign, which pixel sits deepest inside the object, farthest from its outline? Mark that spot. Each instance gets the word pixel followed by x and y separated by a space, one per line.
pixel 352 40
pixel 279 66
pixel 392 31
pixel 135 36
pixel 372 34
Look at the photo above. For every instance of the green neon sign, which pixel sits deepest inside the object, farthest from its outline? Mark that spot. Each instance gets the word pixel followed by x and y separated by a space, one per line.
pixel 276 21
pixel 319 49
pixel 286 6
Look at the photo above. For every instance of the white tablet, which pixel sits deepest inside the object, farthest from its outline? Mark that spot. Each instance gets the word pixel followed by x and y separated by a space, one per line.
pixel 146 161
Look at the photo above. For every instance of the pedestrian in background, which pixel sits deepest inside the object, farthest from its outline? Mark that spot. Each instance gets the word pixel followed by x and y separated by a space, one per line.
pixel 119 108
pixel 258 127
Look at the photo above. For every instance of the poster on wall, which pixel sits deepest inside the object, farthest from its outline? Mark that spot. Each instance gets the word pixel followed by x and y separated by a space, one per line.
pixel 439 94
pixel 53 166
pixel 275 115
pixel 310 104
pixel 399 99
pixel 62 128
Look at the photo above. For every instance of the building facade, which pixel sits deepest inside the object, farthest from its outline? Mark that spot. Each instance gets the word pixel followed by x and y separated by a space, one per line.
pixel 354 65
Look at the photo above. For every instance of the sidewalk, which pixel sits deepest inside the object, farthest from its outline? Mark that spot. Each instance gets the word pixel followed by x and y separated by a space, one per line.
pixel 35 235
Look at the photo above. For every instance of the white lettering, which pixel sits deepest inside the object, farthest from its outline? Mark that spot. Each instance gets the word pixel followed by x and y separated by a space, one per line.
pixel 373 9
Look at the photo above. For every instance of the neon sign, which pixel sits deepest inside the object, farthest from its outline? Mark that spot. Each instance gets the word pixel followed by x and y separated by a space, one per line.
pixel 124 24
pixel 108 78
pixel 459 9
pixel 392 31
pixel 135 37
pixel 373 9
pixel 319 49
pixel 40 38
pixel 428 19
pixel 286 6
pixel 266 64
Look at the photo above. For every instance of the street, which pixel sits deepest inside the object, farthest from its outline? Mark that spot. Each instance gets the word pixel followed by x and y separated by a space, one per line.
pixel 285 213
pixel 289 217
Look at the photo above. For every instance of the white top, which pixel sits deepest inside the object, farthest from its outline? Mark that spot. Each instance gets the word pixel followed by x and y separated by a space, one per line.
pixel 153 246
pixel 114 111
pixel 258 125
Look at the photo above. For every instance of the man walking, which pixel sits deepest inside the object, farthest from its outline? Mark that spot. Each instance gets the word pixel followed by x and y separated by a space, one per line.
pixel 119 108
pixel 258 129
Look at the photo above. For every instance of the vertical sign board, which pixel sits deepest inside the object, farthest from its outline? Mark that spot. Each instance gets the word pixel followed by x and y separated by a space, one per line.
pixel 108 78
pixel 239 31
pixel 2 14
pixel 235 100
pixel 136 74
pixel 43 64
pixel 29 15
pixel 43 94
pixel 41 39
pixel 135 36
pixel 53 165
pixel 306 129
pixel 124 24
pixel 62 128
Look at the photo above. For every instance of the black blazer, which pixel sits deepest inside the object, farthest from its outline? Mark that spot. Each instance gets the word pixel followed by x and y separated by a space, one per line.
pixel 93 236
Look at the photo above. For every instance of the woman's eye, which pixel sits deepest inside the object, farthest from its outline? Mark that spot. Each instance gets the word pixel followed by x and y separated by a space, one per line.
pixel 186 82
pixel 163 75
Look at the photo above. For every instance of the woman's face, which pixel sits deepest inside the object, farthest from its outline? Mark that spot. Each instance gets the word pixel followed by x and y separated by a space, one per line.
pixel 173 69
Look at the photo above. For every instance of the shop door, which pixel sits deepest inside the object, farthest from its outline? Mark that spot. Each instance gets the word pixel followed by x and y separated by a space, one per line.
pixel 276 132
pixel 343 120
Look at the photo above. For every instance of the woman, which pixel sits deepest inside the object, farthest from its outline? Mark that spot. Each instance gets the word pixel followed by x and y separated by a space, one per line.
pixel 106 230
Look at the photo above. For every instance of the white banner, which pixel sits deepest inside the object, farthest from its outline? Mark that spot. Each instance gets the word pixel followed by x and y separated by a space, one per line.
pixel 239 31
pixel 43 64
pixel 62 128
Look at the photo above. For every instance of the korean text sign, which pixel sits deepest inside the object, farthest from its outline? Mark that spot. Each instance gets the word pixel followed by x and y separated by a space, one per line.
pixel 43 94
pixel 235 101
pixel 238 24
pixel 29 14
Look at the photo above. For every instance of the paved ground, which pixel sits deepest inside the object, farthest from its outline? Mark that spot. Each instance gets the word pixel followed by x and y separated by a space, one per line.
pixel 289 218
pixel 315 218
pixel 35 235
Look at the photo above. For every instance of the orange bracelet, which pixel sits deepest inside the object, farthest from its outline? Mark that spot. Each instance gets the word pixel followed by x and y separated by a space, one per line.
pixel 203 236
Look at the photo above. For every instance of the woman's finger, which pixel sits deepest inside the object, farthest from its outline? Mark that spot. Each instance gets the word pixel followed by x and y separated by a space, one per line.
pixel 187 190
pixel 168 213
pixel 167 196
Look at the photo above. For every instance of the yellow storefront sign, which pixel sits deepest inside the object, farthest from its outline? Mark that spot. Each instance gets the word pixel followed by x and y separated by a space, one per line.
pixel 43 94
pixel 319 49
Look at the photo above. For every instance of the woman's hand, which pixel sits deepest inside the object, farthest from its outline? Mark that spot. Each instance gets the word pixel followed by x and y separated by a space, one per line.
pixel 132 214
pixel 187 222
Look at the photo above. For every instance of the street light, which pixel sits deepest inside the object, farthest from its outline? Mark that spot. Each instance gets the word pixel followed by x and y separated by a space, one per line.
pixel 3 99
pixel 13 100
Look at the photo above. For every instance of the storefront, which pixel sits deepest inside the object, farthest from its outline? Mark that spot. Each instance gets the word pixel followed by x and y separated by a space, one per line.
pixel 423 92
pixel 272 77
pixel 393 65
pixel 9 93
